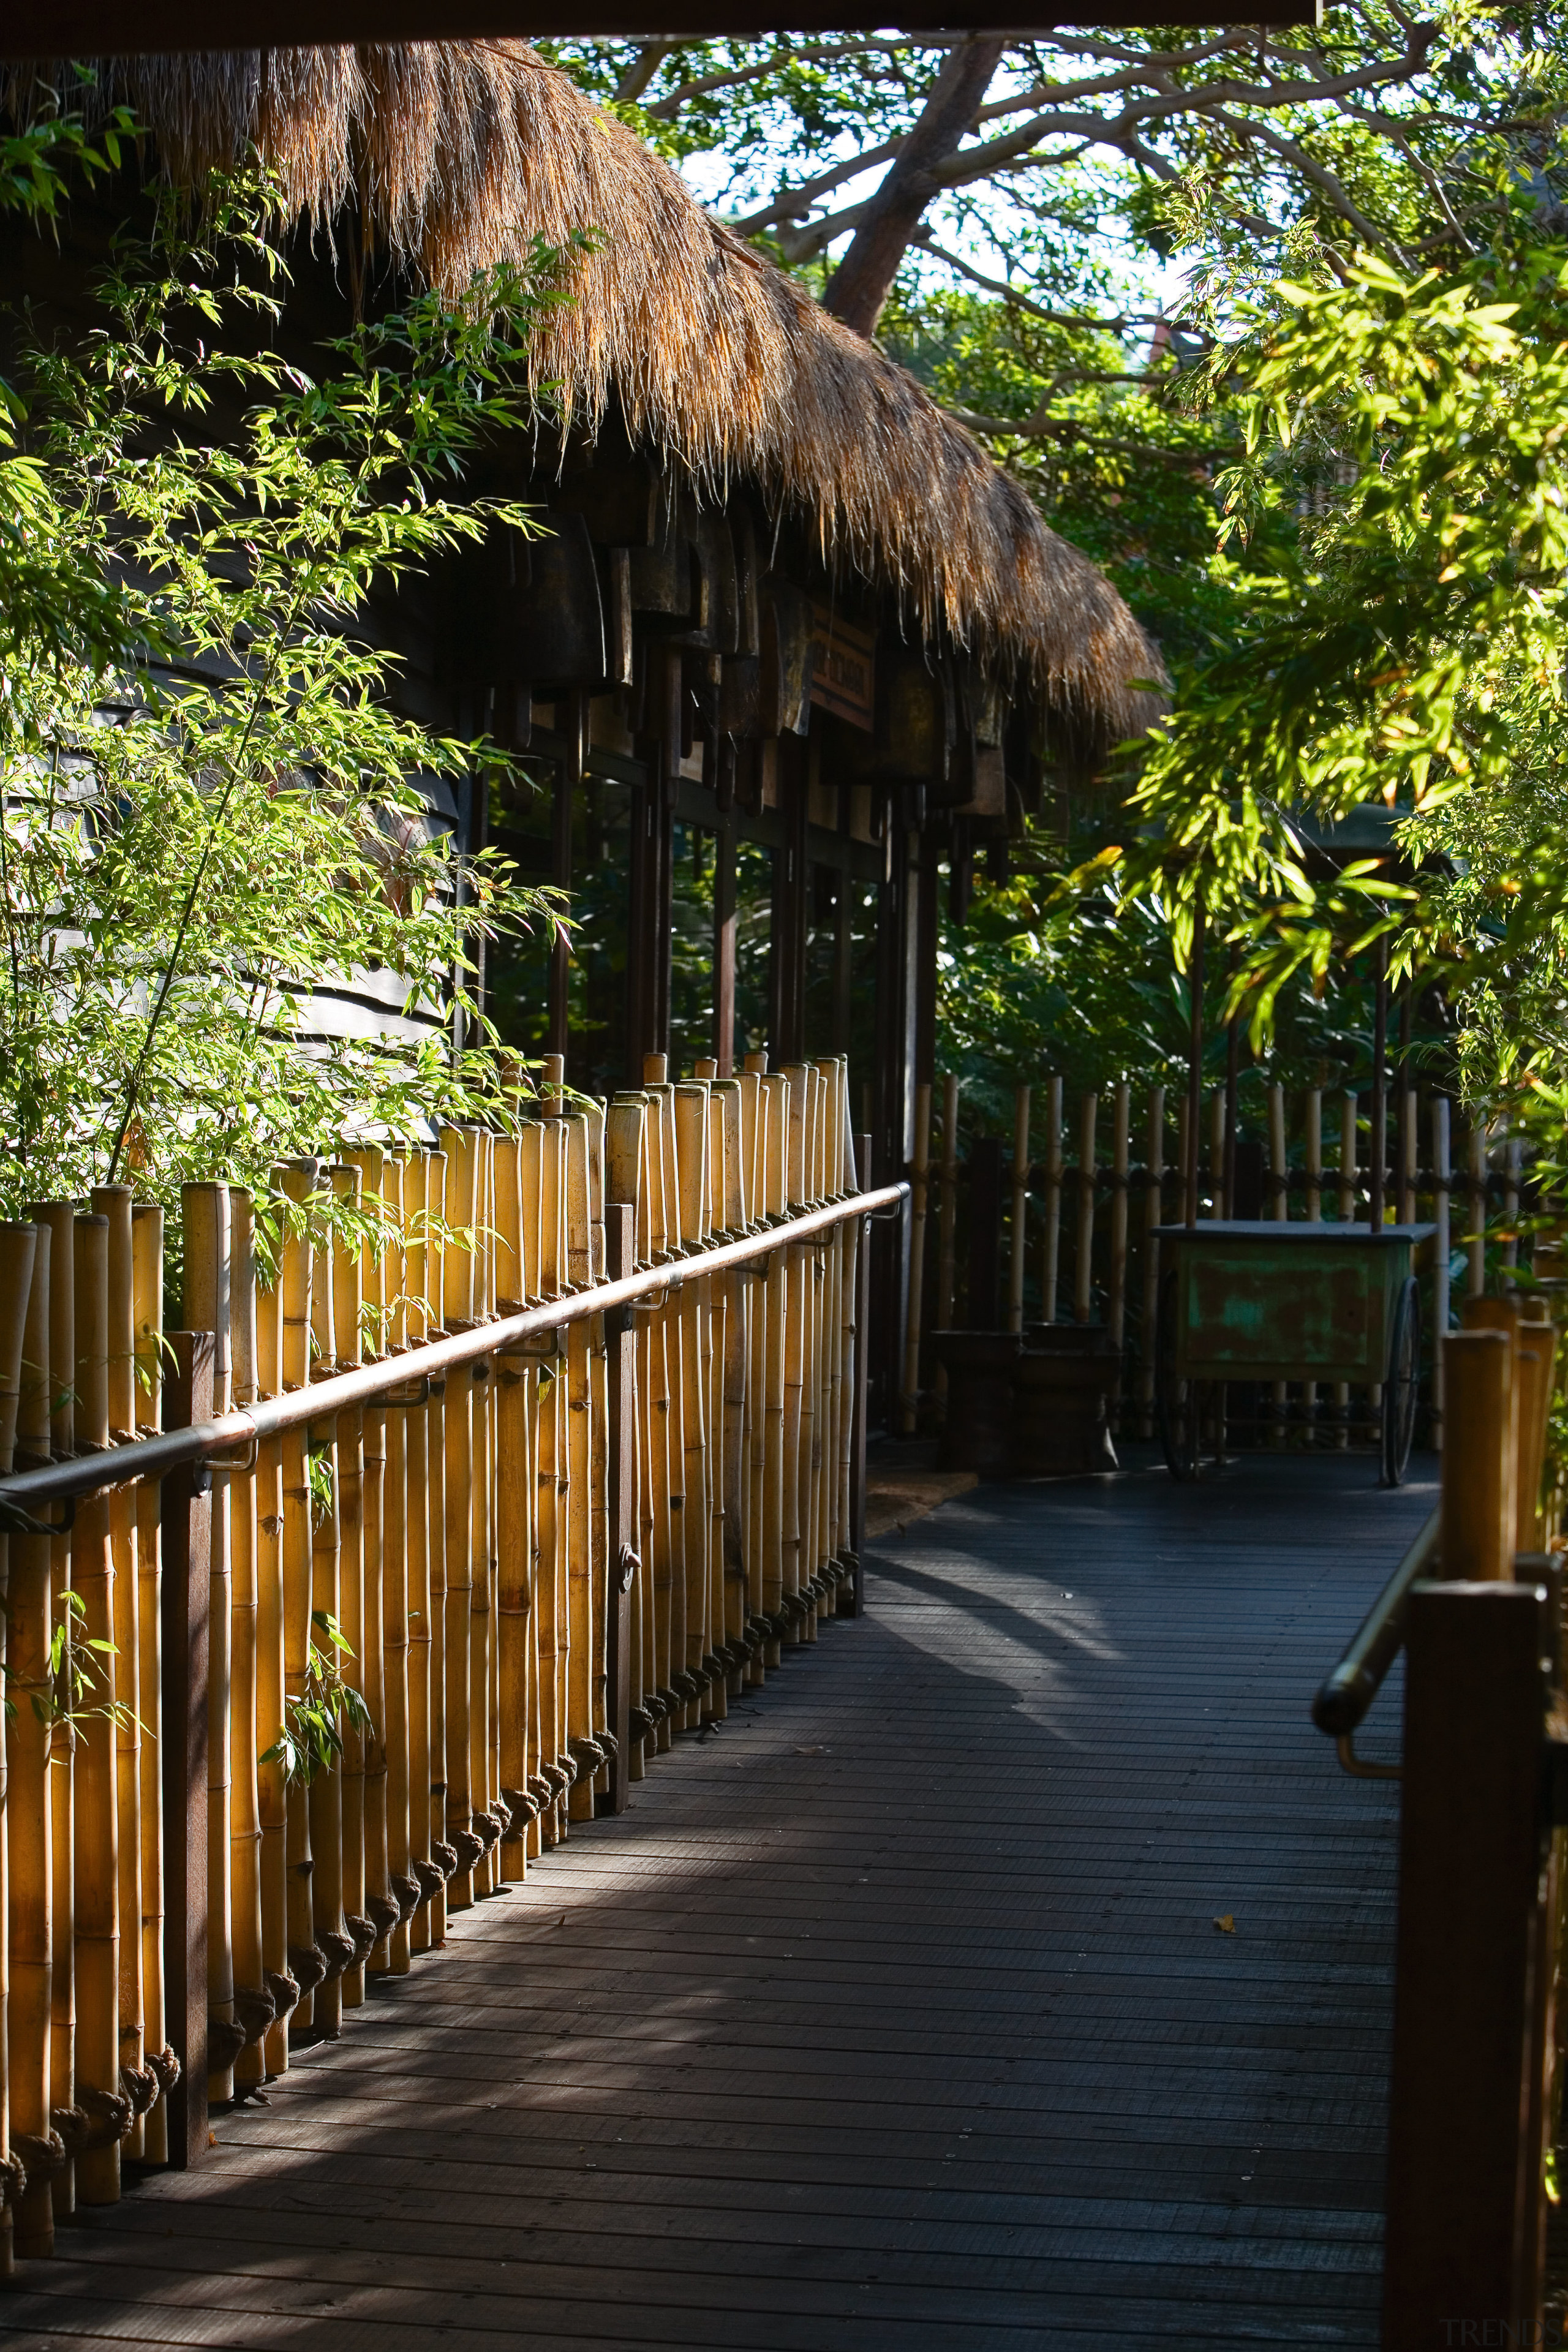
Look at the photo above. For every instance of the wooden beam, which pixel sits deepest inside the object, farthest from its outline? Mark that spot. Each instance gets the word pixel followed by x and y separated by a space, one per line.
pixel 106 28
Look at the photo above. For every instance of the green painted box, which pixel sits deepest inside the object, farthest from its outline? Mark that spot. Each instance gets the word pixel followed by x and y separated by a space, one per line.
pixel 1269 1301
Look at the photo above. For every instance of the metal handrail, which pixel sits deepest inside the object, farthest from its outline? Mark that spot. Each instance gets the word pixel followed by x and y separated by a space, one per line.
pixel 156 1456
pixel 1343 1701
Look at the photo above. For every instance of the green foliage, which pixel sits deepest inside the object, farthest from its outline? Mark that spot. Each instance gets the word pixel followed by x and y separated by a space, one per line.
pixel 315 1718
pixel 70 1689
pixel 193 839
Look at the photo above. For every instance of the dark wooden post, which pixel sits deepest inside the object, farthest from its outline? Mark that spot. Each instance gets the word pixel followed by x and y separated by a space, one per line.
pixel 186 1503
pixel 1464 2213
pixel 620 1260
pixel 852 1596
pixel 568 777
pixel 986 1233
pixel 1379 1083
pixel 724 947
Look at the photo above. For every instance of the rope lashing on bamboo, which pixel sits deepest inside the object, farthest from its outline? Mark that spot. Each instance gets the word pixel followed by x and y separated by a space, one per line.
pixel 589 1753
pixel 445 1856
pixel 521 1804
pixel 468 1848
pixel 42 2158
pixel 338 1951
pixel 362 1934
pixel 108 2115
pixel 227 2038
pixel 139 2086
pixel 406 1890
pixel 255 2010
pixel 308 1967
pixel 165 2064
pixel 430 1877
pixel 387 1913
pixel 13 2179
pixel 285 1989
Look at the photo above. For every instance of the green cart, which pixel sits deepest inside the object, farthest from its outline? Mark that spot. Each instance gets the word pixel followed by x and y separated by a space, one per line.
pixel 1269 1303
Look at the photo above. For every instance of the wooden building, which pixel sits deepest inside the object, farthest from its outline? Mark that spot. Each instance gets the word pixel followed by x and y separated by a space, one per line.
pixel 790 621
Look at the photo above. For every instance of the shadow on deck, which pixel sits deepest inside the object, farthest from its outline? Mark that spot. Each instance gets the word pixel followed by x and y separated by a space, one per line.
pixel 894 2014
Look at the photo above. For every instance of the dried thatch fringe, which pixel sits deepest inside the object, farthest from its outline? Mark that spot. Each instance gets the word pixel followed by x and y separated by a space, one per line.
pixel 457 154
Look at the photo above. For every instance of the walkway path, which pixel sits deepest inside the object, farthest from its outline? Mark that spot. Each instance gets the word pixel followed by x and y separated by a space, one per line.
pixel 894 2017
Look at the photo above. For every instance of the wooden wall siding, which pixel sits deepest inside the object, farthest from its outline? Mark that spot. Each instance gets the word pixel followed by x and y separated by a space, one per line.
pixel 893 2013
pixel 542 1565
pixel 1087 1178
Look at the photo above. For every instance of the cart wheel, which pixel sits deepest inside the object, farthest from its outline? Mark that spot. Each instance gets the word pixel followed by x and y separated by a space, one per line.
pixel 1185 1409
pixel 1399 1389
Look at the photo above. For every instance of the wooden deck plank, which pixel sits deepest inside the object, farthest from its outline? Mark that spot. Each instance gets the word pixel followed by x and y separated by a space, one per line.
pixel 894 2017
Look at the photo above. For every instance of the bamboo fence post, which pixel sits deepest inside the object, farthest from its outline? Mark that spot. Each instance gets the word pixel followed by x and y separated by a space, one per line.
pixel 149 2138
pixel 1476 1247
pixel 484 1747
pixel 578 1212
pixel 1278 1158
pixel 1153 1214
pixel 1083 1270
pixel 306 1963
pixel 948 1219
pixel 439 1855
pixel 18 1251
pixel 1314 1156
pixel 908 1403
pixel 776 1095
pixel 348 1434
pixel 339 1467
pixel 1019 1236
pixel 272 1788
pixel 251 2002
pixel 1442 1175
pixel 1348 1112
pixel 1120 1170
pixel 29 1923
pixel 1479 1494
pixel 514 1519
pixel 96 1846
pixel 114 1202
pixel 793 1344
pixel 377 1173
pixel 204 1222
pixel 459 1311
pixel 603 1584
pixel 734 1472
pixel 689 1108
pixel 59 1217
pixel 415 1320
pixel 1050 1238
pixel 626 1146
pixel 1513 1156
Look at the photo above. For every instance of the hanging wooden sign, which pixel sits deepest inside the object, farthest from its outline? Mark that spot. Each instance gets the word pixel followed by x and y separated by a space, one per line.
pixel 843 672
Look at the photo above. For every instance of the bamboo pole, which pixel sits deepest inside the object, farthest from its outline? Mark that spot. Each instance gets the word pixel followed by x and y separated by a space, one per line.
pixel 250 2001
pixel 439 1855
pixel 379 1905
pixel 1534 1367
pixel 1513 1161
pixel 1442 1173
pixel 417 1322
pixel 485 1657
pixel 271 1788
pixel 1153 1214
pixel 1019 1236
pixel 336 1466
pixel 148 2140
pixel 1348 1112
pixel 348 1340
pixel 205 1223
pixel 96 1841
pixel 579 1697
pixel 1083 1270
pixel 1051 1236
pixel 306 1962
pixel 1313 1155
pixel 460 1146
pixel 775 1098
pixel 1278 1161
pixel 910 1401
pixel 396 1735
pixel 114 1202
pixel 1120 1169
pixel 17 1259
pixel 59 1216
pixel 29 1935
pixel 1479 1509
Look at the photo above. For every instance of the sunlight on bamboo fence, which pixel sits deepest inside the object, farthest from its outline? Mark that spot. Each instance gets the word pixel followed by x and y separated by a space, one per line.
pixel 277 1718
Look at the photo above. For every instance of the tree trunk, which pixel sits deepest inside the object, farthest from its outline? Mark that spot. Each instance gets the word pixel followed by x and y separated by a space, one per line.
pixel 861 284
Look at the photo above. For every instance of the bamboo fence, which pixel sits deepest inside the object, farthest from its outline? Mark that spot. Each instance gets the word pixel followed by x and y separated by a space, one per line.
pixel 1088 1182
pixel 503 1584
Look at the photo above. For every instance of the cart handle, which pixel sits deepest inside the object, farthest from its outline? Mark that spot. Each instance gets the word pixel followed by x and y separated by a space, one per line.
pixel 1343 1701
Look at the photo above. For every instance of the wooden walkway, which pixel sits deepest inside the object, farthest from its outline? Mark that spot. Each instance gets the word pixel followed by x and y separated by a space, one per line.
pixel 894 2017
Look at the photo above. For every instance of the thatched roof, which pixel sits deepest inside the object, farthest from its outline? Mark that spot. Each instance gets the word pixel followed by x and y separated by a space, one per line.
pixel 458 153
